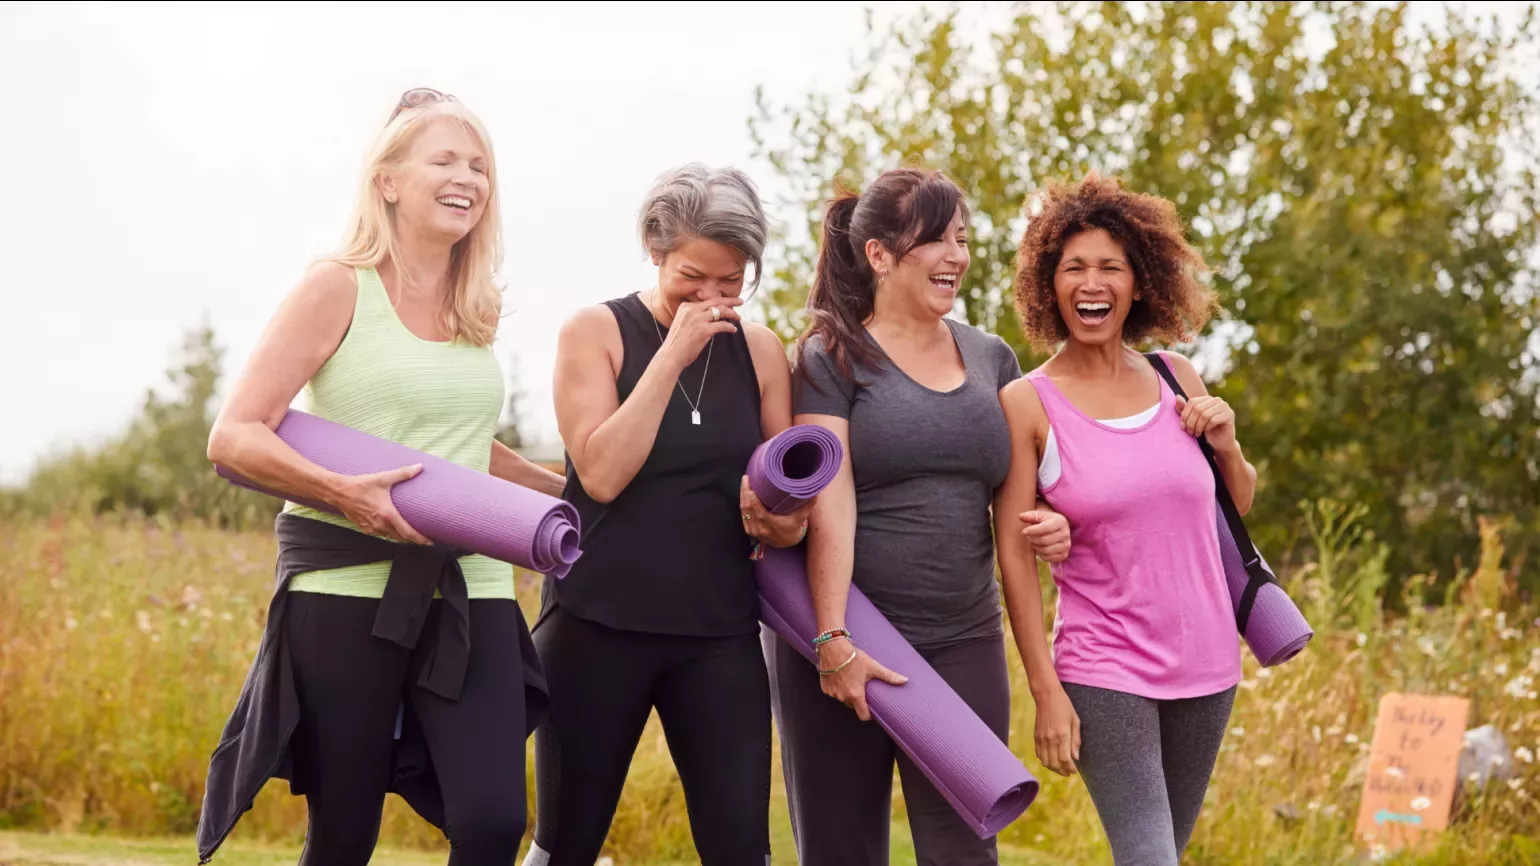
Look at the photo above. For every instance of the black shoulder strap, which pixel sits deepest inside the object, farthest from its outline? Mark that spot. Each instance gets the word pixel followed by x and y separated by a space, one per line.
pixel 1256 573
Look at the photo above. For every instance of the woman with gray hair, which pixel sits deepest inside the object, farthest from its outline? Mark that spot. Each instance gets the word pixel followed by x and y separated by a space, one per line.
pixel 661 396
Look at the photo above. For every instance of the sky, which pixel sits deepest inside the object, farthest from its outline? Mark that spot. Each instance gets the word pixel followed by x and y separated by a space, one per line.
pixel 166 162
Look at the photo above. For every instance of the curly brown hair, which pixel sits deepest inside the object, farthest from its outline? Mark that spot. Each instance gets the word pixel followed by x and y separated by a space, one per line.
pixel 1174 305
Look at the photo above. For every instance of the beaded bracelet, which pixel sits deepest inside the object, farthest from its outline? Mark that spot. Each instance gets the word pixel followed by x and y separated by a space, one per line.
pixel 831 634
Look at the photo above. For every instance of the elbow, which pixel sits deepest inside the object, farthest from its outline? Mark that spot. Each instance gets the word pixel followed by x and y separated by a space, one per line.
pixel 599 490
pixel 220 448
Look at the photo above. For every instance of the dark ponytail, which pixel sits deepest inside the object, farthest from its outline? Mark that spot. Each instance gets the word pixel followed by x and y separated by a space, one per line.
pixel 903 209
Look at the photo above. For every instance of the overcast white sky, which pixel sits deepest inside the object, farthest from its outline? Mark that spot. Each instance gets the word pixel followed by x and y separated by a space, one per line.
pixel 160 162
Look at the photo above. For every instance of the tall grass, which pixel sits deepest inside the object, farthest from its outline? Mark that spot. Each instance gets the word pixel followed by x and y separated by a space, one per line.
pixel 123 644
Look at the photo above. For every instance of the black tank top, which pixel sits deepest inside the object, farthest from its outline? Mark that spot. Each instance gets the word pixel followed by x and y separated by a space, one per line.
pixel 669 554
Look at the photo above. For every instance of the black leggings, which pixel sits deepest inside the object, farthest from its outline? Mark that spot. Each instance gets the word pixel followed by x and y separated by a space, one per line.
pixel 839 769
pixel 713 698
pixel 351 685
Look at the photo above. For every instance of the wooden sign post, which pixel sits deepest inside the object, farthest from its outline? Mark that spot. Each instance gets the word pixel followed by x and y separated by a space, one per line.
pixel 1413 766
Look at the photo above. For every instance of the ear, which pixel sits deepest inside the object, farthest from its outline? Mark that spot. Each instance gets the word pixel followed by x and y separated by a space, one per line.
pixel 878 257
pixel 387 186
pixel 657 258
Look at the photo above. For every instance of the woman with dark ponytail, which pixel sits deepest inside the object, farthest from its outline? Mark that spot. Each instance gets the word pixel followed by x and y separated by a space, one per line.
pixel 914 397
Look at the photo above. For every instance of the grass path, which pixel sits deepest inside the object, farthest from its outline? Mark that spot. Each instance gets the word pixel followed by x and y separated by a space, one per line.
pixel 39 849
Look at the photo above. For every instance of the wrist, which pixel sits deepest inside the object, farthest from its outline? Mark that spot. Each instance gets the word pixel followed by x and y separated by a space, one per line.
pixel 1228 451
pixel 336 488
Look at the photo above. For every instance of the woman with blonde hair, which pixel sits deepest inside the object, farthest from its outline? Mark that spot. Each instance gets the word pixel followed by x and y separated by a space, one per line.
pixel 381 649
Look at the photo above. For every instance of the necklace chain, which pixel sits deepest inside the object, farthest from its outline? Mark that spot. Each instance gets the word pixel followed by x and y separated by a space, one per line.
pixel 695 405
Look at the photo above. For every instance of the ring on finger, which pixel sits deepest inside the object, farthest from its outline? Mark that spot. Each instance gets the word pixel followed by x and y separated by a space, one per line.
pixel 716 314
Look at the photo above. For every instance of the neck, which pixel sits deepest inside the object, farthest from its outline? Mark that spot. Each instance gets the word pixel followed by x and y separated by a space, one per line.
pixel 661 306
pixel 424 265
pixel 903 318
pixel 1105 360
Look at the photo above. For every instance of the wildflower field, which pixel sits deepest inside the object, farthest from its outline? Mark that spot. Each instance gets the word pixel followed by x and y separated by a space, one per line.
pixel 123 644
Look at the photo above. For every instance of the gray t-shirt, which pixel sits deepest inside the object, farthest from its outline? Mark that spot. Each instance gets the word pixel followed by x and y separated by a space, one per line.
pixel 926 467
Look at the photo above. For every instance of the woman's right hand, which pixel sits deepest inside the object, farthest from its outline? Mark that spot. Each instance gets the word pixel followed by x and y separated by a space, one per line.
pixel 365 500
pixel 1057 736
pixel 849 685
pixel 693 328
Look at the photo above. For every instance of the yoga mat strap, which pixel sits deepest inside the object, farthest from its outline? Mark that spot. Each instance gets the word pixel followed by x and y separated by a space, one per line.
pixel 416 572
pixel 1257 573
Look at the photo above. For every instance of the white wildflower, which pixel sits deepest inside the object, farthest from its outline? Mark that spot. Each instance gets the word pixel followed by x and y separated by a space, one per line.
pixel 1421 803
pixel 226 616
pixel 1523 755
pixel 1515 784
pixel 1265 761
pixel 1362 639
pixel 1237 732
pixel 1427 646
pixel 1263 673
pixel 1501 669
pixel 1350 739
pixel 1316 732
pixel 142 618
pixel 70 623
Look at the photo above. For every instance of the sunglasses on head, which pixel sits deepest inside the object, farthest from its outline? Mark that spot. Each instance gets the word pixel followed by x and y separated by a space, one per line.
pixel 419 96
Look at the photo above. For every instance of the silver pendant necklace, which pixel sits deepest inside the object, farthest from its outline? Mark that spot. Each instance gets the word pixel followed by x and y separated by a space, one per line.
pixel 694 406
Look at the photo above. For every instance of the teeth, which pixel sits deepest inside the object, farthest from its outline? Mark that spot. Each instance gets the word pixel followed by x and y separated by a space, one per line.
pixel 456 201
pixel 1097 307
pixel 949 279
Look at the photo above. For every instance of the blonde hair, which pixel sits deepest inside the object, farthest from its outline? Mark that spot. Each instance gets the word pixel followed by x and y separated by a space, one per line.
pixel 474 304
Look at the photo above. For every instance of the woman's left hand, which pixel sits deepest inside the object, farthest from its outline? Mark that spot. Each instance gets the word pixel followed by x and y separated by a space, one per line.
pixel 776 530
pixel 1209 416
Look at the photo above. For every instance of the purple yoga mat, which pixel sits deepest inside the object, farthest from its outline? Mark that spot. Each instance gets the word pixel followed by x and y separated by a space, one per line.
pixel 1276 631
pixel 448 503
pixel 788 471
pixel 978 774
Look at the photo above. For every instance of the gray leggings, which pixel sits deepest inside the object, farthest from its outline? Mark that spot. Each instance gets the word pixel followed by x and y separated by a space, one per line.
pixel 1147 765
pixel 839 769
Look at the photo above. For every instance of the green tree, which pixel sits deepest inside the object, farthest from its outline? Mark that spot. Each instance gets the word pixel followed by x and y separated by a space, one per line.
pixel 1368 206
pixel 158 466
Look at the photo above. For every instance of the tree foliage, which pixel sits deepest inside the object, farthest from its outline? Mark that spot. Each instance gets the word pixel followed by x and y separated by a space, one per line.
pixel 1364 189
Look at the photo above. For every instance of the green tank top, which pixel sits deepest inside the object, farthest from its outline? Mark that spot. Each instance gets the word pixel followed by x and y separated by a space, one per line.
pixel 442 398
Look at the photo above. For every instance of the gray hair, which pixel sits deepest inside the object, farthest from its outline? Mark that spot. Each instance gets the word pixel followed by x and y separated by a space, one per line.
pixel 720 205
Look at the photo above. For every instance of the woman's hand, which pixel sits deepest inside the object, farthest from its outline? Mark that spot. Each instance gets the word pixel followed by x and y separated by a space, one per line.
pixel 776 530
pixel 1057 735
pixel 1048 533
pixel 1209 416
pixel 694 326
pixel 848 685
pixel 365 500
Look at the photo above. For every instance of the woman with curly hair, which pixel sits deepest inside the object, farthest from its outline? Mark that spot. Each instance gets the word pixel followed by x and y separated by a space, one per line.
pixel 1136 691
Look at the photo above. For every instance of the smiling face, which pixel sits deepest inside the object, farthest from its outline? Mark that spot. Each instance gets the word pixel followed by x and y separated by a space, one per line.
pixel 700 270
pixel 929 276
pixel 440 189
pixel 1094 287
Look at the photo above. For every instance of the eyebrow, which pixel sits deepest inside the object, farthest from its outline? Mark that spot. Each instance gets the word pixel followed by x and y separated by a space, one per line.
pixel 1107 260
pixel 691 271
pixel 451 153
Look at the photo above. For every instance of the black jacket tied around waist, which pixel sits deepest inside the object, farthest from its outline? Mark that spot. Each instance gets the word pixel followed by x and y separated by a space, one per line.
pixel 254 746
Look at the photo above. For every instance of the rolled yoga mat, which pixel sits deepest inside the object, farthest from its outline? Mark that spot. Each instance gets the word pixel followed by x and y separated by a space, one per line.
pixel 448 503
pixel 977 773
pixel 1276 631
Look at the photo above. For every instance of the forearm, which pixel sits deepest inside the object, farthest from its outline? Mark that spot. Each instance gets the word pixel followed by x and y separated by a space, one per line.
pixel 509 465
pixel 253 450
pixel 830 560
pixel 617 448
pixel 1239 475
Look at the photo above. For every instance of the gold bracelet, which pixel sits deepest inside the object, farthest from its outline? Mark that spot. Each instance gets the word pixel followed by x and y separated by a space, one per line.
pixel 853 653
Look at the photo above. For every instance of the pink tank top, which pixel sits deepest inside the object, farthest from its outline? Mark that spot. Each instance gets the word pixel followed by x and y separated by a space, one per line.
pixel 1143 605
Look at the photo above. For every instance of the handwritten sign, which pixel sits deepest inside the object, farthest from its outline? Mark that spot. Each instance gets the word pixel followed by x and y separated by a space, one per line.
pixel 1413 763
